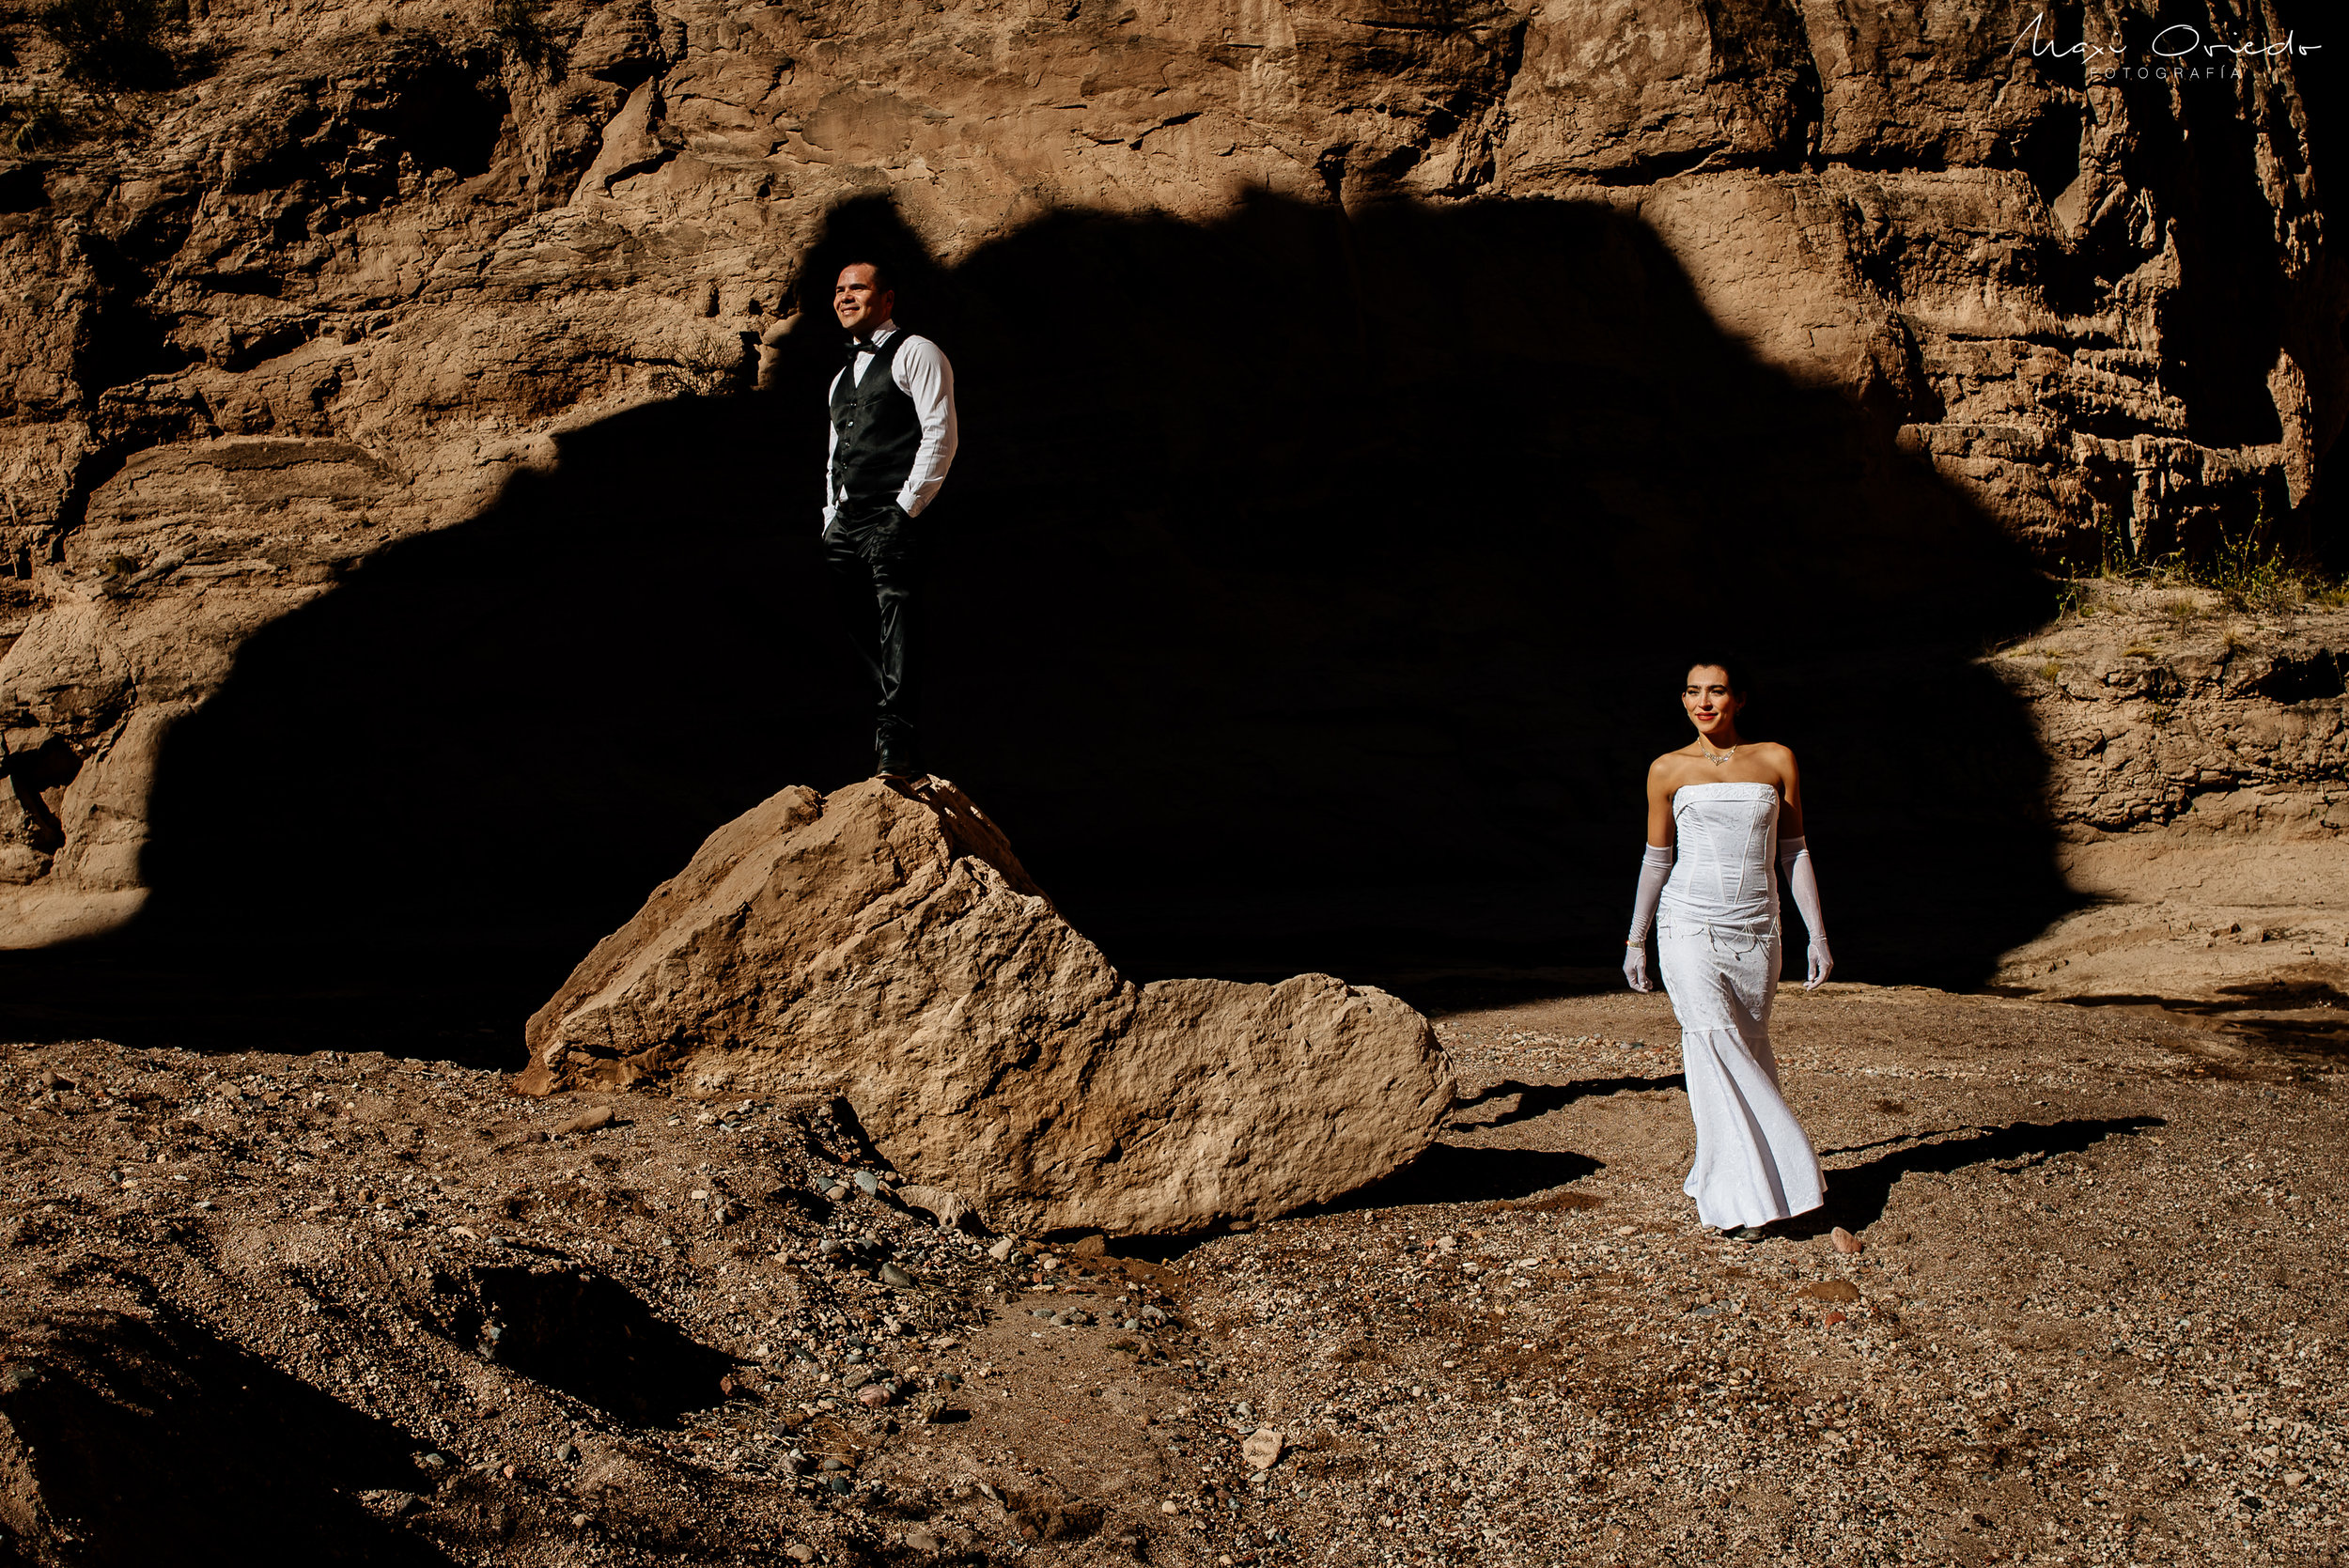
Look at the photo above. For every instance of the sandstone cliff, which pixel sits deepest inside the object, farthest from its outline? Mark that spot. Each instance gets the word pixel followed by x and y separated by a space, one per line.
pixel 369 271
pixel 2201 752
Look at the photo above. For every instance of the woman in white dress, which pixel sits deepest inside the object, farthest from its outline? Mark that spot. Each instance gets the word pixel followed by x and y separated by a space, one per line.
pixel 1724 825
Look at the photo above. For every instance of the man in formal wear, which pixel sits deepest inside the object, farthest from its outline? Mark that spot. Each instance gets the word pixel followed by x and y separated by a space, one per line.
pixel 892 436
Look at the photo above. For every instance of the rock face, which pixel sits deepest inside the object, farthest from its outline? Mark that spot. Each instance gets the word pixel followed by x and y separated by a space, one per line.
pixel 889 948
pixel 368 268
pixel 2201 752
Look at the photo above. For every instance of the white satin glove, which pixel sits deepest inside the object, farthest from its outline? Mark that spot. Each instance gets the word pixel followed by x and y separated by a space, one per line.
pixel 1655 864
pixel 1795 869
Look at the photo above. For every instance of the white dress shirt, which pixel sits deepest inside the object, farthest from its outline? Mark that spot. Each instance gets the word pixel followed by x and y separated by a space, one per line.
pixel 921 373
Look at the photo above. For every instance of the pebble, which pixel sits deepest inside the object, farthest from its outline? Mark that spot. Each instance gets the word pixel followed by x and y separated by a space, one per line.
pixel 873 1394
pixel 923 1541
pixel 892 1275
pixel 836 1193
pixel 1262 1448
pixel 1847 1242
pixel 800 1552
pixel 868 1183
pixel 1001 1251
pixel 588 1121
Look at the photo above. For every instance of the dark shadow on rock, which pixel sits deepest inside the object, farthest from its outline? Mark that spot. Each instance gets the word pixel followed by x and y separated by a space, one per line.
pixel 1456 1173
pixel 1857 1195
pixel 1540 1099
pixel 158 1442
pixel 1326 638
pixel 592 1338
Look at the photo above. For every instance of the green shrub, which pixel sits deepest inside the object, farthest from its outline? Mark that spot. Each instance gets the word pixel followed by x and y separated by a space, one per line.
pixel 116 43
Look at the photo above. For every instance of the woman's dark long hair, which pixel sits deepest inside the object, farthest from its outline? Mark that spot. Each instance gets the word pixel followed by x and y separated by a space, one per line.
pixel 1739 686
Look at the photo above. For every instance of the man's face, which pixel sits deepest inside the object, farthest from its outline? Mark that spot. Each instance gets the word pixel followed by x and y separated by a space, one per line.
pixel 859 300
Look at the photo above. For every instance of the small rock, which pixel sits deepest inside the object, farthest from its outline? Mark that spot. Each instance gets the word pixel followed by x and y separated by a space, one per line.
pixel 588 1121
pixel 567 1452
pixel 837 1194
pixel 1847 1242
pixel 434 1461
pixel 1261 1448
pixel 800 1552
pixel 868 1184
pixel 580 1521
pixel 892 1275
pixel 1001 1251
pixel 923 1541
pixel 874 1395
pixel 1168 1506
pixel 856 1377
pixel 950 1209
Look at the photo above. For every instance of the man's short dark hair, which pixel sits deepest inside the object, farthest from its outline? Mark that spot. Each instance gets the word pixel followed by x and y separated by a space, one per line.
pixel 882 283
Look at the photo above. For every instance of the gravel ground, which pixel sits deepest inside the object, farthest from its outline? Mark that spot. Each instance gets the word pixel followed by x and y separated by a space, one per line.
pixel 263 1303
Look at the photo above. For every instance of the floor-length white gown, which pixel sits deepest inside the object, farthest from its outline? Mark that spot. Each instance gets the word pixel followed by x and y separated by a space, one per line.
pixel 1717 944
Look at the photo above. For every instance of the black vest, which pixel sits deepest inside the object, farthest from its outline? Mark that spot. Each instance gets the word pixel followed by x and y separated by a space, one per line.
pixel 877 430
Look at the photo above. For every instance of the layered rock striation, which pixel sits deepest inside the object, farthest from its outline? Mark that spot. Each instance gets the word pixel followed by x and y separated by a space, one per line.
pixel 367 265
pixel 887 947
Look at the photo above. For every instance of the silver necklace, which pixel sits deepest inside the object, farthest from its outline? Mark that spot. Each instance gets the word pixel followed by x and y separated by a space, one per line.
pixel 1715 758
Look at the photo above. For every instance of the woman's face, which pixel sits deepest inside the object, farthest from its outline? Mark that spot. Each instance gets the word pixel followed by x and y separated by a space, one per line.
pixel 1706 698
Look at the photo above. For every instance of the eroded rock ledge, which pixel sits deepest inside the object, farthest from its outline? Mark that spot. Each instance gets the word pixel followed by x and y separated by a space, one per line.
pixel 888 947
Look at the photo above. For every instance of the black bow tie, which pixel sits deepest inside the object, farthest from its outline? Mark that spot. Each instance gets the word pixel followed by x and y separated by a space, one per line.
pixel 861 346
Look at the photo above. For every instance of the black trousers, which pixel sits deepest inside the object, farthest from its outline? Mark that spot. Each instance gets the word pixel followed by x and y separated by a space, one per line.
pixel 876 555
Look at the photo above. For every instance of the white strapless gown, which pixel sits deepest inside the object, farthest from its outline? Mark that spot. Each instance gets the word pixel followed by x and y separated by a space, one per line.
pixel 1717 944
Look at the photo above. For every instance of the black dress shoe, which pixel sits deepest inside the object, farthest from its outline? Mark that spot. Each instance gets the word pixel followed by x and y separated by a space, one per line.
pixel 897 762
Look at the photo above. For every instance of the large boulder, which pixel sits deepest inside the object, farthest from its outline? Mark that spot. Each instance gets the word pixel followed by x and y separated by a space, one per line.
pixel 887 946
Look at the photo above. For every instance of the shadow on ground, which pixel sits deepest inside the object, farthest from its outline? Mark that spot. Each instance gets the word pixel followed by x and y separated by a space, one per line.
pixel 1332 638
pixel 1540 1099
pixel 591 1337
pixel 1856 1194
pixel 1455 1174
pixel 158 1442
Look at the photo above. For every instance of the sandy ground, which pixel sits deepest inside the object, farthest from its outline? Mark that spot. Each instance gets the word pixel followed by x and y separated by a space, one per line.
pixel 381 1309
